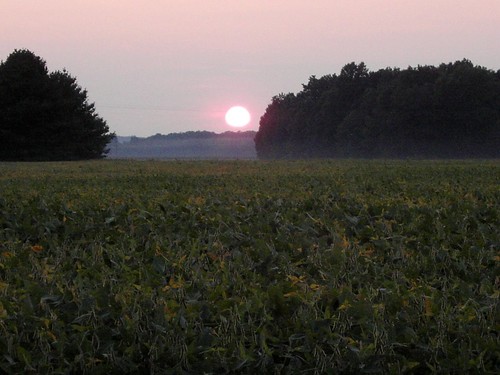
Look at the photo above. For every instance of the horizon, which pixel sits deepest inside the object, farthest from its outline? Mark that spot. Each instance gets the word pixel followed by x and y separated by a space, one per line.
pixel 177 67
pixel 187 131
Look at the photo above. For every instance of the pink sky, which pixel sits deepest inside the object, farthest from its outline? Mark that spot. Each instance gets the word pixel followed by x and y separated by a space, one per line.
pixel 178 65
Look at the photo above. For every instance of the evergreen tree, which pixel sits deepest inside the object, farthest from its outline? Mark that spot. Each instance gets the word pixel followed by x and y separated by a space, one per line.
pixel 46 116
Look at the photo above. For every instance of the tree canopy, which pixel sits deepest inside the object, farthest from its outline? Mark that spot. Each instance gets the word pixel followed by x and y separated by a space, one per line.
pixel 449 111
pixel 46 116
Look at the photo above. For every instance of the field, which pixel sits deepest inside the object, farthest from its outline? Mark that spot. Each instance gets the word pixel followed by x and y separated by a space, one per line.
pixel 250 267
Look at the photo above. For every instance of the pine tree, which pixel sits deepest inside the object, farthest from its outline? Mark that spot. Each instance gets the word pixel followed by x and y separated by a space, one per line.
pixel 46 116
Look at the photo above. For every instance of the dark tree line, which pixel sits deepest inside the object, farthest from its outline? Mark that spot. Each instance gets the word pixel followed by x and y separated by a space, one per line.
pixel 198 134
pixel 449 111
pixel 46 116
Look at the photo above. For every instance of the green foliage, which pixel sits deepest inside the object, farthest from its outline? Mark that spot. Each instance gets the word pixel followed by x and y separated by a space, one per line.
pixel 46 116
pixel 449 111
pixel 245 267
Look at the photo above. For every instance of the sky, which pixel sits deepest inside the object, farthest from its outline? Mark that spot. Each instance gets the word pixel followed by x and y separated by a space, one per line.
pixel 163 66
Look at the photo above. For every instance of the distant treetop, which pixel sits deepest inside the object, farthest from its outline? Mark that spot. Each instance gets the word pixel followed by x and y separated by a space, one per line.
pixel 199 134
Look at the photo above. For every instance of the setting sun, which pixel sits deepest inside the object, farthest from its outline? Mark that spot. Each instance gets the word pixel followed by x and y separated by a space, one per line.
pixel 237 116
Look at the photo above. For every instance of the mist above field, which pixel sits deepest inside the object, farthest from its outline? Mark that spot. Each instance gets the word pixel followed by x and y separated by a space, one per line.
pixel 187 145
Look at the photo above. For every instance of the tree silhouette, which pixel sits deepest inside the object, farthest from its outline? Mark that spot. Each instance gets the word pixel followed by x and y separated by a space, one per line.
pixel 449 111
pixel 46 116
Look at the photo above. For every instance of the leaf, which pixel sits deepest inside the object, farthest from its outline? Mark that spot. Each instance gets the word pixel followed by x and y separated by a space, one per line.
pixel 345 305
pixel 110 220
pixel 315 286
pixel 80 328
pixel 295 280
pixel 352 219
pixel 428 306
pixel 3 311
pixel 36 248
pixel 51 300
pixel 24 355
pixel 3 286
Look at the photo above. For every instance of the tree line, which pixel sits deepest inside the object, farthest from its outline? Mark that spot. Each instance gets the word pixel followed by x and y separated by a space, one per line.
pixel 194 134
pixel 448 111
pixel 46 116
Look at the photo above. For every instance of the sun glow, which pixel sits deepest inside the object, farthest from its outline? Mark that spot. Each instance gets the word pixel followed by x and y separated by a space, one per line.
pixel 237 116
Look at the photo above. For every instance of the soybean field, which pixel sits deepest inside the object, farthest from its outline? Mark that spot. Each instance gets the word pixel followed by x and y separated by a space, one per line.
pixel 292 267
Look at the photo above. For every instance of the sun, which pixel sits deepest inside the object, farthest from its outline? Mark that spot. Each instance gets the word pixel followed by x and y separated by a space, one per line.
pixel 237 116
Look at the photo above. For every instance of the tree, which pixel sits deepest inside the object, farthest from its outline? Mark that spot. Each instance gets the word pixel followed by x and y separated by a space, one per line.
pixel 450 111
pixel 46 116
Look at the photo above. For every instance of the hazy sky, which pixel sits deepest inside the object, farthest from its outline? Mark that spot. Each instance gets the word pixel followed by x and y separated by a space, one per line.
pixel 161 66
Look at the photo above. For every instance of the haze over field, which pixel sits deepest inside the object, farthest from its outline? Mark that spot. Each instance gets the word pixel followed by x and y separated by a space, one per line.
pixel 188 145
pixel 176 66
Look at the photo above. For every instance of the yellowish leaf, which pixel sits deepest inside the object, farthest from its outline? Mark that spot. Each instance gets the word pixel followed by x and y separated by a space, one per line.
pixel 175 284
pixel 37 248
pixel 315 286
pixel 295 279
pixel 345 305
pixel 344 243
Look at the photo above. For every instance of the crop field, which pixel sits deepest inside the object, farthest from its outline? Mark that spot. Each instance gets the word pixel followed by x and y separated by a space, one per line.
pixel 293 267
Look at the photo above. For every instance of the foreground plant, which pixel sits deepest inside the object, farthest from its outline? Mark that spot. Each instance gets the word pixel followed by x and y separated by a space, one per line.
pixel 300 267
